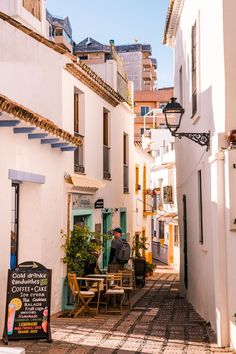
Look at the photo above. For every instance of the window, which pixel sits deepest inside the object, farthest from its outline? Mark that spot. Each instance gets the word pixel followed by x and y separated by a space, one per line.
pixel 194 69
pixel 136 179
pixel 162 105
pixel 144 110
pixel 126 163
pixel 106 147
pixel 83 57
pixel 78 154
pixel 76 112
pixel 142 130
pixel 144 188
pixel 14 225
pixel 200 206
pixel 176 236
pixel 181 85
pixel 161 229
pixel 34 7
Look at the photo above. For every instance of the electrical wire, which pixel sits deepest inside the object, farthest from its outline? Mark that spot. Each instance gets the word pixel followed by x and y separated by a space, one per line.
pixel 193 171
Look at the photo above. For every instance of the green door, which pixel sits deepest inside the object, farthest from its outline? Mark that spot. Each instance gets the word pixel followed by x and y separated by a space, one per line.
pixel 106 222
pixel 123 223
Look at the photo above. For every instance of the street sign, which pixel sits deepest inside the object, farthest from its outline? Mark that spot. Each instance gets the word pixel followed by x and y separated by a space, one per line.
pixel 99 204
pixel 28 303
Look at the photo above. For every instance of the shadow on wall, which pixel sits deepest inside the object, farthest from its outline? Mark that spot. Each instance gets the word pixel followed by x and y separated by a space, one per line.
pixel 196 267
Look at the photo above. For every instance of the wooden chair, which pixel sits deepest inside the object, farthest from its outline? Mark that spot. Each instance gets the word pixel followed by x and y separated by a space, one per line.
pixel 114 288
pixel 127 283
pixel 82 297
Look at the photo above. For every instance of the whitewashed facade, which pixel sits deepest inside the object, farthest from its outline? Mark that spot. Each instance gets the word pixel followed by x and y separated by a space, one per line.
pixel 142 202
pixel 39 81
pixel 165 243
pixel 206 180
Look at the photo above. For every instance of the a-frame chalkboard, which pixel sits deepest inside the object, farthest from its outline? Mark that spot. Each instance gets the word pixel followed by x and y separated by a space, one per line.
pixel 28 303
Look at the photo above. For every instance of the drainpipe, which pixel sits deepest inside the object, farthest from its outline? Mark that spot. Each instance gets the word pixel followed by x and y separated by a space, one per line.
pixel 219 248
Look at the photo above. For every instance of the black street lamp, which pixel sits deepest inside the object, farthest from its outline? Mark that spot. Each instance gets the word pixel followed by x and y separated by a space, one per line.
pixel 173 112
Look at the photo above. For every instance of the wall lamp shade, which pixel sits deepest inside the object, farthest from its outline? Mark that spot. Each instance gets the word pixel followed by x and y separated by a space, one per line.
pixel 173 112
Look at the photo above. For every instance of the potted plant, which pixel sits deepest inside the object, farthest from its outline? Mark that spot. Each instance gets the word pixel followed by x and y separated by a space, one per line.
pixel 150 267
pixel 139 245
pixel 82 248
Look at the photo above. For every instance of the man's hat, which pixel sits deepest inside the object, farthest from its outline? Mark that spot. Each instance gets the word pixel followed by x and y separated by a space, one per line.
pixel 118 229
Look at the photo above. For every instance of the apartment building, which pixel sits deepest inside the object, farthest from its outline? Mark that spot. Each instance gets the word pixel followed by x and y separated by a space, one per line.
pixel 140 67
pixel 153 102
pixel 59 31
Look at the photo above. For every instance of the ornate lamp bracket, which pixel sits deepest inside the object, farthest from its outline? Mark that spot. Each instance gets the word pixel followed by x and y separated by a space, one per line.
pixel 202 139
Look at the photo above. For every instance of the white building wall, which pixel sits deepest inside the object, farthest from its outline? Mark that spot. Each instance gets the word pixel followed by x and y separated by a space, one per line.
pixel 33 75
pixel 15 9
pixel 210 268
pixel 141 222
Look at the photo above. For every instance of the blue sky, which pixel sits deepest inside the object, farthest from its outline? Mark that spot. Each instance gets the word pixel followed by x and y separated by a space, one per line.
pixel 121 20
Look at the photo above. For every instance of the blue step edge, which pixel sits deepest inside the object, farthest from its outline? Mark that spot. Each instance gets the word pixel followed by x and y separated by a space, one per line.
pixel 49 141
pixel 59 145
pixel 69 148
pixel 37 135
pixel 23 130
pixel 9 123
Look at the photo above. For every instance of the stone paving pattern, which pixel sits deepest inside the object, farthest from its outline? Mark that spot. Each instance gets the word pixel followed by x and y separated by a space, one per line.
pixel 160 321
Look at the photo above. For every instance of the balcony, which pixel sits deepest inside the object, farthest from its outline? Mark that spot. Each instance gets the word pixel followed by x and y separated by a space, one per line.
pixel 106 162
pixel 63 42
pixel 147 62
pixel 168 195
pixel 147 75
pixel 78 160
pixel 126 178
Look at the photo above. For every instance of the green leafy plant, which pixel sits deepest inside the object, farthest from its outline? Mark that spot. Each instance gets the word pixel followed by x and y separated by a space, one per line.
pixel 82 248
pixel 150 267
pixel 139 244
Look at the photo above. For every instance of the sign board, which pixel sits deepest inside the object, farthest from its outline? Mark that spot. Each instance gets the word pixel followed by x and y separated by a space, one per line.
pixel 28 303
pixel 82 201
pixel 99 204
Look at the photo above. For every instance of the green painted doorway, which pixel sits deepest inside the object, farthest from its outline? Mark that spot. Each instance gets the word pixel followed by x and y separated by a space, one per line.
pixel 123 223
pixel 106 226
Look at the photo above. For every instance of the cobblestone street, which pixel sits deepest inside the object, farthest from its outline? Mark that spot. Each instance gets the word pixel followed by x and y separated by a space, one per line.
pixel 159 322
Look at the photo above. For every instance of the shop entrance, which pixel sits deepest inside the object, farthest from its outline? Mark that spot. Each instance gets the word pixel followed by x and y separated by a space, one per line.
pixel 123 224
pixel 81 220
pixel 106 226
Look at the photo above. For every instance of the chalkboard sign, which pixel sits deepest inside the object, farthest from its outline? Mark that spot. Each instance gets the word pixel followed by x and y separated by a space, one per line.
pixel 28 303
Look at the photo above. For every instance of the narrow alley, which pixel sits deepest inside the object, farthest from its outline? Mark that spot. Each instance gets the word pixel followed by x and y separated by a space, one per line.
pixel 160 321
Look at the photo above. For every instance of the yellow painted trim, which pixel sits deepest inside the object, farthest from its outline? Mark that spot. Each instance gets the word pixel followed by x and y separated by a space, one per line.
pixel 149 213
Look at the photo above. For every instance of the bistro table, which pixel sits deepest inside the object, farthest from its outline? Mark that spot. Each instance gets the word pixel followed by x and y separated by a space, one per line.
pixel 97 285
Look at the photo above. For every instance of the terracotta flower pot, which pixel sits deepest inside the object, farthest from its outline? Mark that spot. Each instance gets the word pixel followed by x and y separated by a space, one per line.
pixel 231 136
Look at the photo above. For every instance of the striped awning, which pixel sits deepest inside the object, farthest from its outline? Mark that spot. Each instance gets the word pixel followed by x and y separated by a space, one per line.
pixel 85 183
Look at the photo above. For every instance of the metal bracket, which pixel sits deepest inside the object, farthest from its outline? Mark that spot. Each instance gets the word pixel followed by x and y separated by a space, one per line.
pixel 202 139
